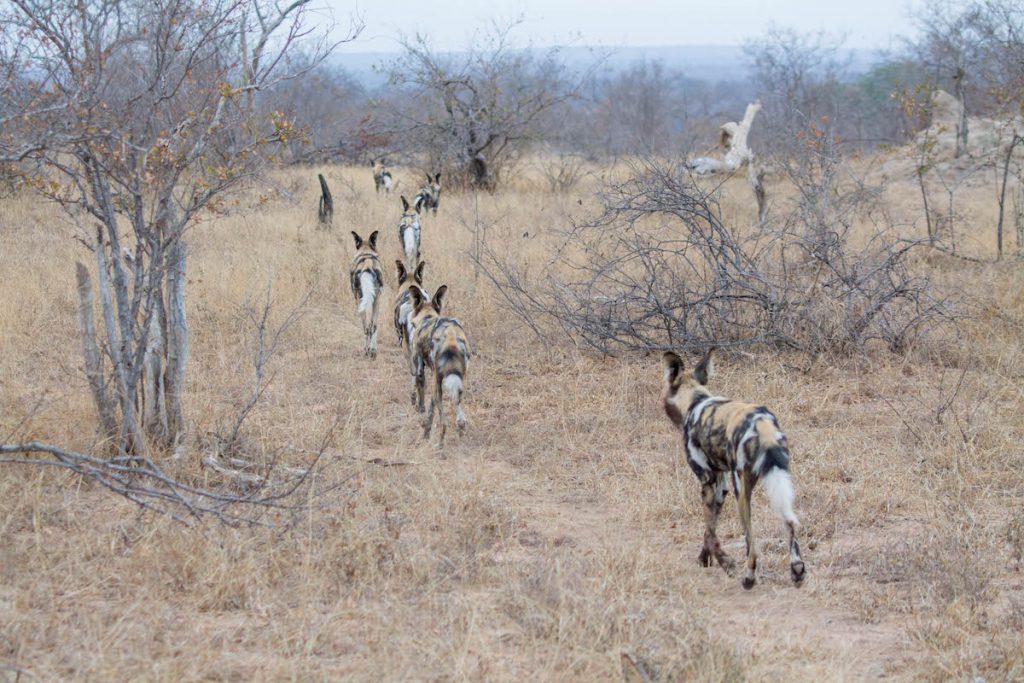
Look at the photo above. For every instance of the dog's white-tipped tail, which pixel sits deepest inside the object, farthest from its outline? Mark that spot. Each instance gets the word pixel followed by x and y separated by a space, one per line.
pixel 368 287
pixel 452 385
pixel 410 246
pixel 778 486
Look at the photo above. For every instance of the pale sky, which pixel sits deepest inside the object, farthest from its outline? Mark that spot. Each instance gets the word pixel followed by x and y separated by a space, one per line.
pixel 450 23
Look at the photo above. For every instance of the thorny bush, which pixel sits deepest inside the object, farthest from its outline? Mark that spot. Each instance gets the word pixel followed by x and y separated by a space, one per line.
pixel 660 268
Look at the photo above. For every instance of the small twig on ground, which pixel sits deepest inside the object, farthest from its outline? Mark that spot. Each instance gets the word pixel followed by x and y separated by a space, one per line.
pixel 913 431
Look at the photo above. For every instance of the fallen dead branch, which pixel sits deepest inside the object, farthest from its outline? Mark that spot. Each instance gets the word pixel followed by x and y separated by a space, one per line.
pixel 265 491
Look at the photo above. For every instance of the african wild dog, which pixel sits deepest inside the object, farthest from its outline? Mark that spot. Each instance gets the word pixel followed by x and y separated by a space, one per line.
pixel 422 314
pixel 438 343
pixel 728 440
pixel 325 208
pixel 409 234
pixel 429 196
pixel 403 301
pixel 381 177
pixel 367 281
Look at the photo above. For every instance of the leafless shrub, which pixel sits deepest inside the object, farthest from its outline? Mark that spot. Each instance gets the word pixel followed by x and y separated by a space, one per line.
pixel 659 268
pixel 478 228
pixel 562 172
pixel 267 339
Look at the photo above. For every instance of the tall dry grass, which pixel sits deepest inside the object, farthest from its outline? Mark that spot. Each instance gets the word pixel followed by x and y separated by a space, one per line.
pixel 559 533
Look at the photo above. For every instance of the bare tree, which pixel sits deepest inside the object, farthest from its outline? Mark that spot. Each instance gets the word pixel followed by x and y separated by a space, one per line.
pixel 1000 25
pixel 644 109
pixel 799 79
pixel 950 48
pixel 328 104
pixel 140 114
pixel 472 111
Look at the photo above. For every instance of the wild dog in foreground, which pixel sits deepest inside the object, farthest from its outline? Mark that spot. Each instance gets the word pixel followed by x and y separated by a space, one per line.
pixel 367 281
pixel 381 177
pixel 729 440
pixel 438 343
pixel 403 301
pixel 409 234
pixel 429 196
pixel 424 311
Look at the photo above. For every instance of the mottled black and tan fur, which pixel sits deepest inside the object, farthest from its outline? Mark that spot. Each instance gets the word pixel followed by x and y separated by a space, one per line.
pixel 381 177
pixel 440 344
pixel 730 441
pixel 403 301
pixel 429 196
pixel 367 281
pixel 424 310
pixel 409 234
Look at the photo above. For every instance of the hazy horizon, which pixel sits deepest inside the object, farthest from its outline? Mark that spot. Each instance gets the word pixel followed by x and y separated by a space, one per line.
pixel 451 24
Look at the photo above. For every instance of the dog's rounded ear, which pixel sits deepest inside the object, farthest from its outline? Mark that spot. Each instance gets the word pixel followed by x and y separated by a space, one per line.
pixel 429 179
pixel 705 368
pixel 405 204
pixel 673 368
pixel 373 239
pixel 437 178
pixel 401 271
pixel 418 276
pixel 358 239
pixel 416 296
pixel 439 295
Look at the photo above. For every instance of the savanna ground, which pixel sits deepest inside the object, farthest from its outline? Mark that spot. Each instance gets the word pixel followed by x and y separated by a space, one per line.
pixel 561 532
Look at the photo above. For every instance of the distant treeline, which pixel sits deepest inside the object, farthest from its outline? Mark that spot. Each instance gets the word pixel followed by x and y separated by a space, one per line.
pixel 474 112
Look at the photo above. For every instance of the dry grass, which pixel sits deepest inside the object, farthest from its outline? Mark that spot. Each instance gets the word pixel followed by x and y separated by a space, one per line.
pixel 560 532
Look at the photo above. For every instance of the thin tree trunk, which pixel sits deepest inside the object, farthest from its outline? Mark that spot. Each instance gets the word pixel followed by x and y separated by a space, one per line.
pixel 927 210
pixel 961 129
pixel 176 339
pixel 247 74
pixel 1018 220
pixel 131 441
pixel 755 178
pixel 154 416
pixel 101 192
pixel 950 219
pixel 1002 196
pixel 91 354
